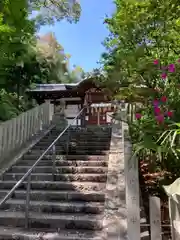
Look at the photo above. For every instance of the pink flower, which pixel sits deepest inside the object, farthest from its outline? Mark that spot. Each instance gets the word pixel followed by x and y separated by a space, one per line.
pixel 156 62
pixel 157 110
pixel 163 75
pixel 138 116
pixel 178 60
pixel 163 98
pixel 169 113
pixel 155 102
pixel 164 68
pixel 160 118
pixel 171 67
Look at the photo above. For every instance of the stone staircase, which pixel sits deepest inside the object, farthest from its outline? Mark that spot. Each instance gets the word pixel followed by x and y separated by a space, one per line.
pixel 69 206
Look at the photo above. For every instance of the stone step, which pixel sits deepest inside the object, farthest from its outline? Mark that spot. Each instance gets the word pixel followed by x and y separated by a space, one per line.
pixel 79 139
pixel 87 137
pixel 54 207
pixel 79 135
pixel 70 202
pixel 76 152
pixel 58 177
pixel 51 185
pixel 81 131
pixel 56 195
pixel 78 163
pixel 51 221
pixel 72 147
pixel 60 170
pixel 86 129
pixel 91 127
pixel 74 143
pixel 86 132
pixel 73 157
pixel 9 233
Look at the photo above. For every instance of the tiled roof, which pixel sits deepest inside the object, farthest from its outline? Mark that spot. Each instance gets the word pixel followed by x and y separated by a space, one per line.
pixel 56 86
pixel 49 87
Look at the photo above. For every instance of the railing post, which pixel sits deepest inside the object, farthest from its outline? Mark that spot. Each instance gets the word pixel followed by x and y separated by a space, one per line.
pixel 27 201
pixel 67 144
pixel 54 161
pixel 77 120
pixel 83 117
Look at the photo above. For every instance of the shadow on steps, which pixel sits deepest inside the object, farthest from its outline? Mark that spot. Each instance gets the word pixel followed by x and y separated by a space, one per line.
pixel 71 205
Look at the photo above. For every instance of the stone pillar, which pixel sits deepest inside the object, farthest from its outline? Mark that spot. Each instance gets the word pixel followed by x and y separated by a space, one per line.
pixel 115 222
pixel 51 109
pixel 59 118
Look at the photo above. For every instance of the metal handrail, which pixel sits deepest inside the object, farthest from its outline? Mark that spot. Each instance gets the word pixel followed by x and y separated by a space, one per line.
pixel 28 173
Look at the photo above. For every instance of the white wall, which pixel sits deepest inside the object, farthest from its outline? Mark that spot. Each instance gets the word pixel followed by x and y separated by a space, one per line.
pixel 74 124
pixel 71 111
pixel 109 116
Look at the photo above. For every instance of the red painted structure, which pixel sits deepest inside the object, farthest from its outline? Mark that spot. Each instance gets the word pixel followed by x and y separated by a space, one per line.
pixel 100 107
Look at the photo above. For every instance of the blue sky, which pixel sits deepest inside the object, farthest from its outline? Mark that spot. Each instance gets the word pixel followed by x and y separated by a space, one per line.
pixel 83 40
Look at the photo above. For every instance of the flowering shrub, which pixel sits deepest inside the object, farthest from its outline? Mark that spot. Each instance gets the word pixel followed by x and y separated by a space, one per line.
pixel 160 104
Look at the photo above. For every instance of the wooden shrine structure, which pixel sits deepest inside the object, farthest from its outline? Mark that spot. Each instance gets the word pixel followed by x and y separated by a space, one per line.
pixel 75 96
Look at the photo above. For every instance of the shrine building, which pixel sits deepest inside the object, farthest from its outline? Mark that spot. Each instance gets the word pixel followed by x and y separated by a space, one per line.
pixel 74 96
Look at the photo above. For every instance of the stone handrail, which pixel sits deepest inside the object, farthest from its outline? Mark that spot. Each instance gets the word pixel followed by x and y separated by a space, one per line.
pixel 17 131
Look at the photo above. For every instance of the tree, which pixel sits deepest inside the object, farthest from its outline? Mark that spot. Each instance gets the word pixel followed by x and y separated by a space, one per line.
pixel 22 62
pixel 49 11
pixel 140 31
pixel 77 73
pixel 141 49
pixel 16 31
pixel 51 57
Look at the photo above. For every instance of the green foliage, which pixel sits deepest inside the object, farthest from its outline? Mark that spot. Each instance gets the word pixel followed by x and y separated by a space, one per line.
pixel 8 106
pixel 51 59
pixel 24 59
pixel 11 105
pixel 49 11
pixel 140 32
pixel 16 31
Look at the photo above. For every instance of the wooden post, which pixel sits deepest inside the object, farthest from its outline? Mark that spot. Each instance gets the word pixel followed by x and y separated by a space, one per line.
pixel 98 116
pixel 83 116
pixel 155 218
